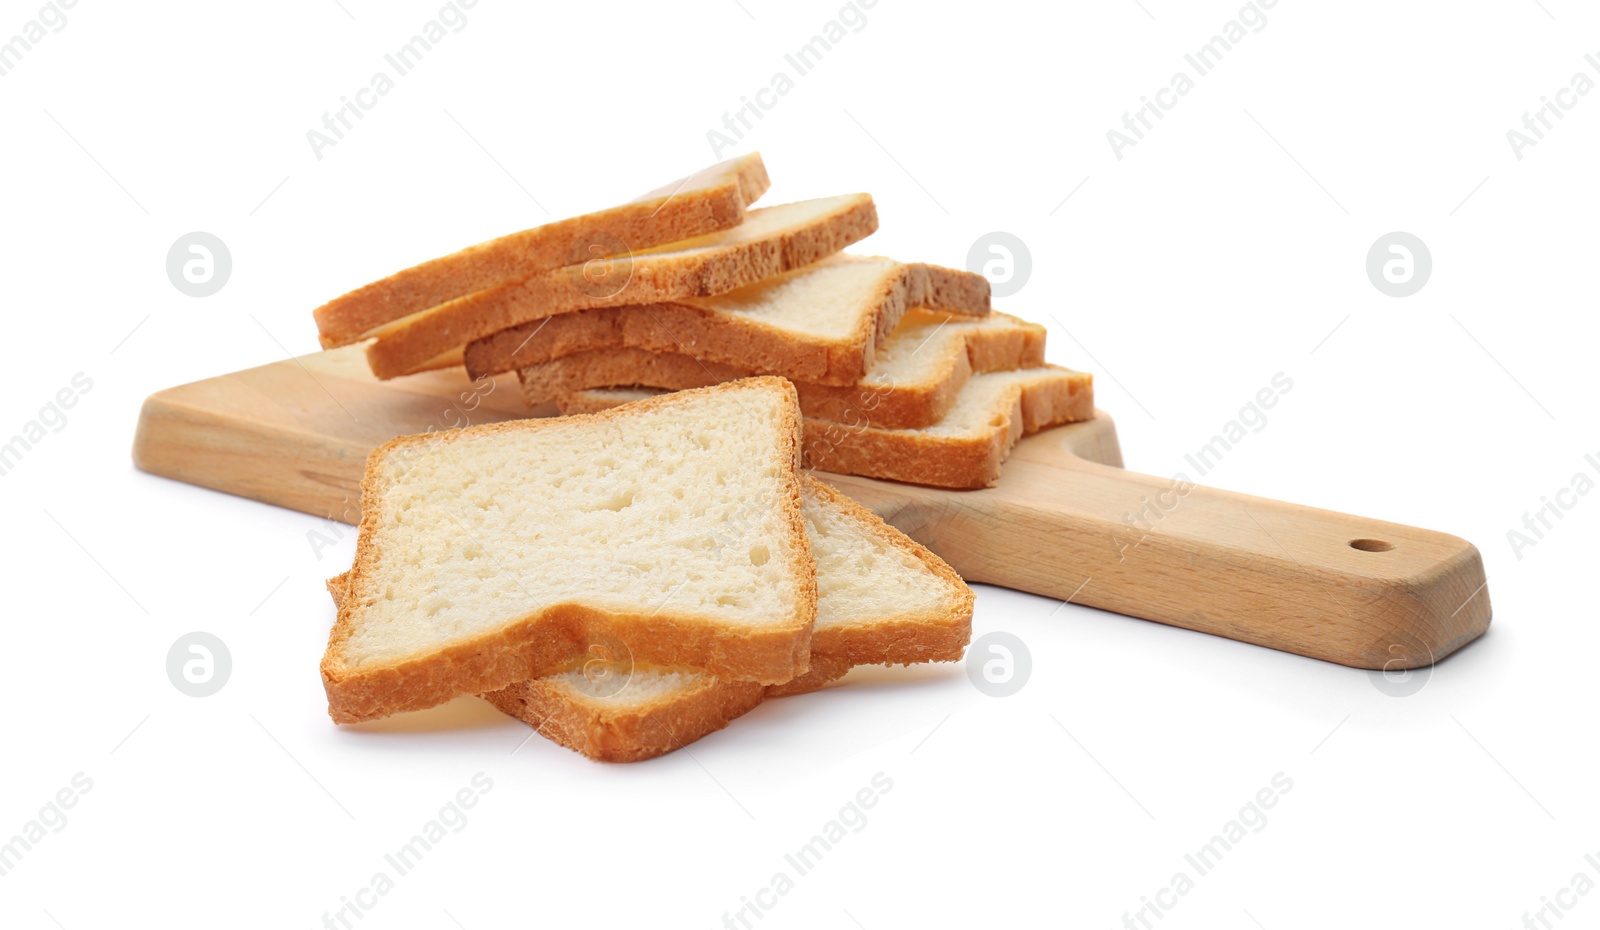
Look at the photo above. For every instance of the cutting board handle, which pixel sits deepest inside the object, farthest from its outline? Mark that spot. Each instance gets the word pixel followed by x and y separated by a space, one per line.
pixel 1346 589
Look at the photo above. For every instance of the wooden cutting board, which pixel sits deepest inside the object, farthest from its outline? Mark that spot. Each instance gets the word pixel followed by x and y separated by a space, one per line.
pixel 1065 521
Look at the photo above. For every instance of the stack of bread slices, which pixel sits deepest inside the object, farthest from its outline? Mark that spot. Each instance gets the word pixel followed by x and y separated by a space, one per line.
pixel 902 369
pixel 635 575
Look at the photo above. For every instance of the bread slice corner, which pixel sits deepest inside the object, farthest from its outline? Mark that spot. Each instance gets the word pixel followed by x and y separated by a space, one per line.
pixel 655 712
pixel 711 199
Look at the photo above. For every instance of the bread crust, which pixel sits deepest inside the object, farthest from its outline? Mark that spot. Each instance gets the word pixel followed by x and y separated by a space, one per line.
pixel 607 733
pixel 636 732
pixel 699 329
pixel 956 462
pixel 915 457
pixel 554 635
pixel 708 201
pixel 630 734
pixel 887 405
pixel 402 346
pixel 927 636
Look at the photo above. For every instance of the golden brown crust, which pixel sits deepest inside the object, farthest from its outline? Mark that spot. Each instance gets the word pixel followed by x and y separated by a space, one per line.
pixel 746 171
pixel 607 733
pixel 629 734
pixel 937 635
pixel 650 277
pixel 889 405
pixel 546 642
pixel 713 199
pixel 551 637
pixel 701 330
pixel 824 671
pixel 959 462
pixel 915 457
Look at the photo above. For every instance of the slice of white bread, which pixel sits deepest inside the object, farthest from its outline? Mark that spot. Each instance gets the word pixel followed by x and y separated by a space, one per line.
pixel 964 450
pixel 919 372
pixel 705 202
pixel 770 241
pixel 498 553
pixel 822 323
pixel 882 599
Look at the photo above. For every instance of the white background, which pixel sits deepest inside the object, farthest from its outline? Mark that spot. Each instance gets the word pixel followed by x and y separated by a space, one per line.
pixel 1226 246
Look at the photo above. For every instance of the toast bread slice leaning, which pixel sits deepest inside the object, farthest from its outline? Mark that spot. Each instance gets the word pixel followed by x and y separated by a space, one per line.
pixel 823 323
pixel 709 200
pixel 965 450
pixel 770 241
pixel 671 530
pixel 919 372
pixel 882 600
